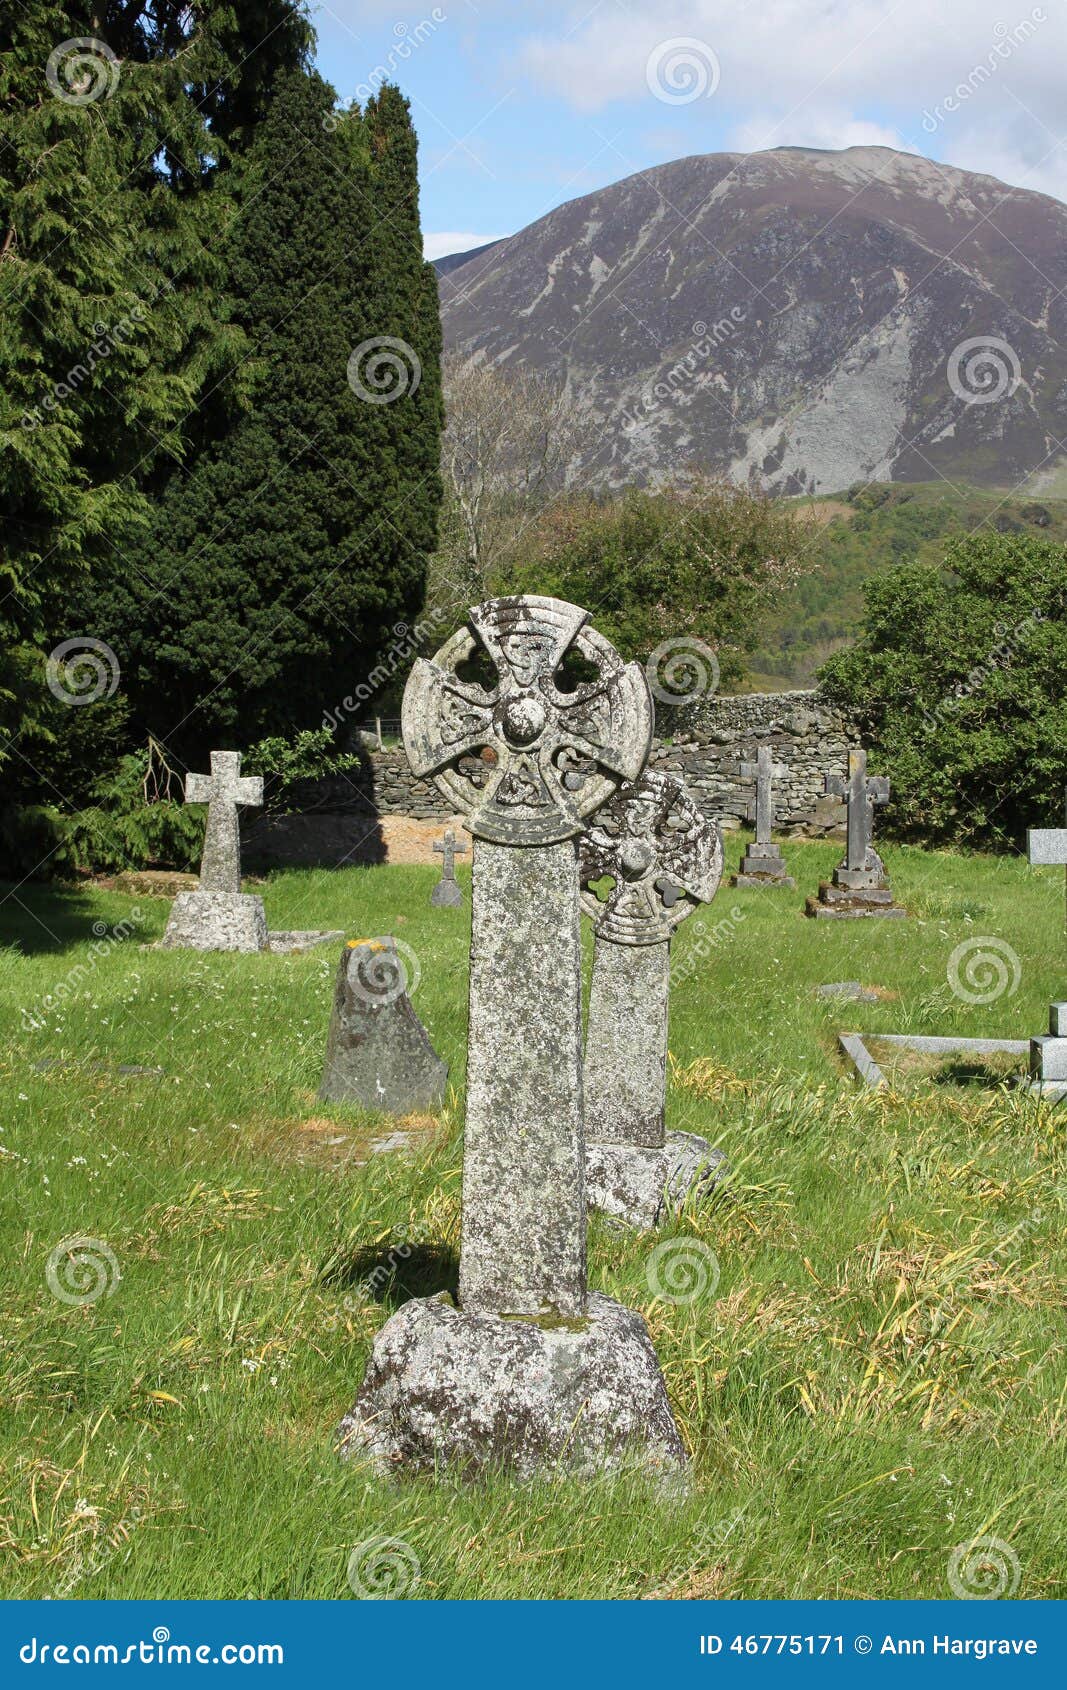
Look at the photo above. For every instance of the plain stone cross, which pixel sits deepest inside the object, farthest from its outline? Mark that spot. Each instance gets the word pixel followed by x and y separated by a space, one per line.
pixel 222 790
pixel 862 792
pixel 764 771
pixel 447 891
pixel 449 849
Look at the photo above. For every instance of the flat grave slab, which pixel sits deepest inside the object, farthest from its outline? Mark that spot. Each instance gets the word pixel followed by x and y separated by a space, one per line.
pixel 854 1046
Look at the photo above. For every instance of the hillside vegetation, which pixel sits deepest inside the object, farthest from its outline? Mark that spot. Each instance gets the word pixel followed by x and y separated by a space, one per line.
pixel 860 533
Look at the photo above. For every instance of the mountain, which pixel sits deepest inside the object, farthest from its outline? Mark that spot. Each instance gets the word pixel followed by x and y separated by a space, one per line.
pixel 444 266
pixel 796 318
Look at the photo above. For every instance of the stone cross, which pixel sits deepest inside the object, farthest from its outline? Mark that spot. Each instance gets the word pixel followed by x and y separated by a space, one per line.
pixel 862 792
pixel 764 771
pixel 525 759
pixel 663 857
pixel 531 1369
pixel 447 891
pixel 222 791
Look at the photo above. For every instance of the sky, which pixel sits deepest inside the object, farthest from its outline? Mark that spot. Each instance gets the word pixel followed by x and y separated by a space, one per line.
pixel 522 106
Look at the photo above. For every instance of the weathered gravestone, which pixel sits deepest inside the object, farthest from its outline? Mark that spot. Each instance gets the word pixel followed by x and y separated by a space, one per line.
pixel 447 893
pixel 763 863
pixel 378 1053
pixel 860 885
pixel 218 916
pixel 663 857
pixel 530 1369
pixel 1048 1055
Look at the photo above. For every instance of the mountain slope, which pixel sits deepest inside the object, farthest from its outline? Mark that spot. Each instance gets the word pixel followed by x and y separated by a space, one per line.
pixel 791 317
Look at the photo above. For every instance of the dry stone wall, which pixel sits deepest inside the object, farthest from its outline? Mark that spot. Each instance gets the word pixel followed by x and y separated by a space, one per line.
pixel 703 742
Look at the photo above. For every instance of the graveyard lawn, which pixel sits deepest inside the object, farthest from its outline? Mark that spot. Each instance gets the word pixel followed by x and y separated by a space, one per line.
pixel 861 1333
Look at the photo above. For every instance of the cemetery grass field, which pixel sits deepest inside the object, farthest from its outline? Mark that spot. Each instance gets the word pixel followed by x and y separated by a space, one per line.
pixel 876 1379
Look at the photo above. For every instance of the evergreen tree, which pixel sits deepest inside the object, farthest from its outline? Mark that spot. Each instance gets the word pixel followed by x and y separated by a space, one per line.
pixel 280 560
pixel 114 121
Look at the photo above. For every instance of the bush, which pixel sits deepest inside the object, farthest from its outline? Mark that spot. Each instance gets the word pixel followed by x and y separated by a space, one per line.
pixel 286 764
pixel 698 562
pixel 958 683
pixel 135 818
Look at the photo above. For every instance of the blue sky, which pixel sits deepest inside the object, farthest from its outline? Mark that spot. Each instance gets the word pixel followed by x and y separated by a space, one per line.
pixel 521 107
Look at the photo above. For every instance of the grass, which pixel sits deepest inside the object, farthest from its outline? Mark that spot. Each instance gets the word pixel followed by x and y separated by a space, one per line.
pixel 877 1377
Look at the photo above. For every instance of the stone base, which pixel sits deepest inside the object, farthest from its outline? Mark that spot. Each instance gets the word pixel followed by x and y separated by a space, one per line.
pixel 641 1186
pixel 216 921
pixel 447 894
pixel 1053 1089
pixel 289 942
pixel 449 1390
pixel 1048 1060
pixel 871 879
pixel 836 901
pixel 743 879
pixel 763 859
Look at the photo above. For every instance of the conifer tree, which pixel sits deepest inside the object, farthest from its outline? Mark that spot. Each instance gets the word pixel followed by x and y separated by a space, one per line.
pixel 280 560
pixel 117 123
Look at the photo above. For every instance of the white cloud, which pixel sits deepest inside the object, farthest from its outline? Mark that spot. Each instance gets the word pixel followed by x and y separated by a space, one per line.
pixel 442 246
pixel 978 83
pixel 812 128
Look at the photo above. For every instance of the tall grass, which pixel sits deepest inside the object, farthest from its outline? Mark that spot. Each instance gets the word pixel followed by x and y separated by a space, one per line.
pixel 876 1377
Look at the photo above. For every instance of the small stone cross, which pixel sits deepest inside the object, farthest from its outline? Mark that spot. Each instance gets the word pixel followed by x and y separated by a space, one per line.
pixel 764 771
pixel 447 890
pixel 862 792
pixel 222 790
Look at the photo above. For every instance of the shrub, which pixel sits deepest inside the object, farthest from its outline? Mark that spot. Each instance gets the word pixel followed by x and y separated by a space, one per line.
pixel 958 682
